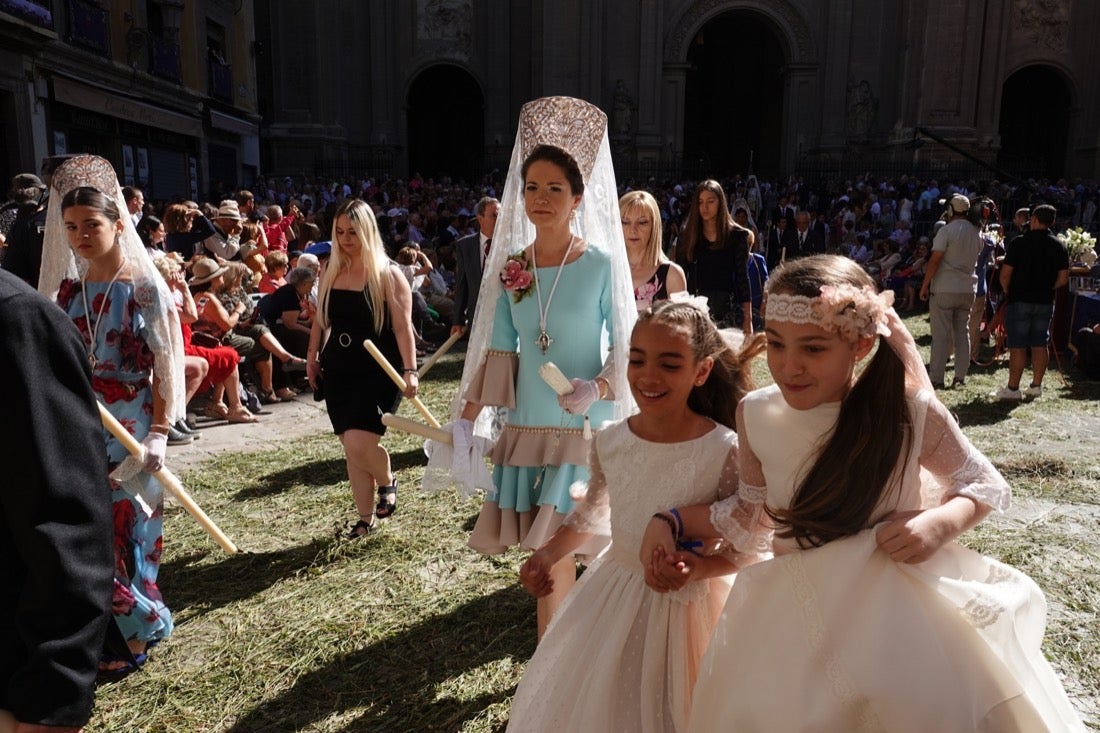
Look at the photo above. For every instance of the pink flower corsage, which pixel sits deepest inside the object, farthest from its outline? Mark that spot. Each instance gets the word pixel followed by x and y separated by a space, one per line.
pixel 516 276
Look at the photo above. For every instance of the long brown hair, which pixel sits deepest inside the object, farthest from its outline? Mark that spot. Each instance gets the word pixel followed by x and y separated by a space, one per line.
pixel 855 465
pixel 693 230
pixel 730 378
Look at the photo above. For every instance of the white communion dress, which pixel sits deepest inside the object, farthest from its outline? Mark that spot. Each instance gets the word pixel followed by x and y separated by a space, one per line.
pixel 840 638
pixel 619 656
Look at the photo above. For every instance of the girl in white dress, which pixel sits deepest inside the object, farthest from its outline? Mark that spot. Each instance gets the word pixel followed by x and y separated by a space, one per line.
pixel 870 617
pixel 617 656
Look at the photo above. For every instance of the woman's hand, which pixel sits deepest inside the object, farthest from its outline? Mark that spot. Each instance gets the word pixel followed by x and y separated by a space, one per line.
pixel 313 372
pixel 534 575
pixel 412 383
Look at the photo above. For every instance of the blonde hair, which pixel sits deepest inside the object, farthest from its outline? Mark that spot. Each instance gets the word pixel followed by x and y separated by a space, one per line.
pixel 654 254
pixel 371 252
pixel 276 258
pixel 234 276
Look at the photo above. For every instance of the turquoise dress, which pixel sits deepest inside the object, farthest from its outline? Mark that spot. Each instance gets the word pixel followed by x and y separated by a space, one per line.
pixel 541 451
pixel 122 380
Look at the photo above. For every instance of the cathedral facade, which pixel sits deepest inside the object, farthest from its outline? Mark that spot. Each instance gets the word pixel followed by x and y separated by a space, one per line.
pixel 396 87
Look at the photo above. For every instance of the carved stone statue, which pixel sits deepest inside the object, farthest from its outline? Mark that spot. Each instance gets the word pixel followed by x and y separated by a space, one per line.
pixel 862 109
pixel 622 116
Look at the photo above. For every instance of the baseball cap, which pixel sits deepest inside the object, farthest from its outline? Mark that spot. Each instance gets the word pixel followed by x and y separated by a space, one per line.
pixel 958 203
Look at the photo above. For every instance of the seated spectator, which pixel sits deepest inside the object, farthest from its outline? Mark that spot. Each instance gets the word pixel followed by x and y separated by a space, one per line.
pixel 152 233
pixel 254 341
pixel 277 225
pixel 218 368
pixel 287 313
pixel 275 276
pixel 185 227
pixel 416 266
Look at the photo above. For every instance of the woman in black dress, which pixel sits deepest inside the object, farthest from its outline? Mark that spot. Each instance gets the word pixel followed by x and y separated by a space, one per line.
pixel 362 296
pixel 714 252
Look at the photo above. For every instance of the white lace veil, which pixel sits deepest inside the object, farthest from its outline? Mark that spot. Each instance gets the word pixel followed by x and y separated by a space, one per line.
pixel 163 334
pixel 580 129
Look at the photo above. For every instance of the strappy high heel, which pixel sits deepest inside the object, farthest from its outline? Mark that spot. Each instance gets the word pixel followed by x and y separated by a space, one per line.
pixel 387 500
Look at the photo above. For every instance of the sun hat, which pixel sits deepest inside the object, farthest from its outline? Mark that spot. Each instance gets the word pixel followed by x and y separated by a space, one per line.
pixel 27 180
pixel 229 210
pixel 205 270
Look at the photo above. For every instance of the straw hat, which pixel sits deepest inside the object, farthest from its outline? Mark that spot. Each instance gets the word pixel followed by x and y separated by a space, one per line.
pixel 205 270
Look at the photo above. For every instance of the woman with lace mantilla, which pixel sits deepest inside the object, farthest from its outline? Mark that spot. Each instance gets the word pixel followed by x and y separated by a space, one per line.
pixel 124 311
pixel 562 295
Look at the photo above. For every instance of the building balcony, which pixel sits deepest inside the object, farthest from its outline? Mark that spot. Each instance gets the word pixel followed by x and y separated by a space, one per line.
pixel 89 26
pixel 164 59
pixel 221 80
pixel 34 12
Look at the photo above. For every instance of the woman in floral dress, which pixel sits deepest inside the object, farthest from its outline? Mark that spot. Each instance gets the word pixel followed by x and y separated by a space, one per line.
pixel 122 308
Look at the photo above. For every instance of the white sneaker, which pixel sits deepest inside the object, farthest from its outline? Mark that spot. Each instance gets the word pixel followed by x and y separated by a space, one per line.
pixel 1008 395
pixel 1035 390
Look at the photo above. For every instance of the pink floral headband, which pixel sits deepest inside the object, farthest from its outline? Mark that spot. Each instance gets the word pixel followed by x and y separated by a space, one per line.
pixel 852 312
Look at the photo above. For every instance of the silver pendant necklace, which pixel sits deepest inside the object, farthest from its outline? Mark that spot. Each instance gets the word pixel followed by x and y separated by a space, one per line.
pixel 93 331
pixel 543 340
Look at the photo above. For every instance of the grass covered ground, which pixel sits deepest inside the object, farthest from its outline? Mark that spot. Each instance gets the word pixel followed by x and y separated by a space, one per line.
pixel 412 631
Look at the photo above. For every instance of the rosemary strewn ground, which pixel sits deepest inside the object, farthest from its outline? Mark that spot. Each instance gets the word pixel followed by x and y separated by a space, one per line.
pixel 412 631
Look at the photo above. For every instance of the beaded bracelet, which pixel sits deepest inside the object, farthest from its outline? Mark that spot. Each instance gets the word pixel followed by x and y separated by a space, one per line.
pixel 679 522
pixel 410 371
pixel 162 429
pixel 669 521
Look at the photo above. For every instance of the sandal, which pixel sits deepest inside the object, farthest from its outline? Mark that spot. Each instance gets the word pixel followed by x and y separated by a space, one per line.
pixel 294 364
pixel 108 673
pixel 286 393
pixel 387 500
pixel 216 410
pixel 242 415
pixel 268 397
pixel 362 528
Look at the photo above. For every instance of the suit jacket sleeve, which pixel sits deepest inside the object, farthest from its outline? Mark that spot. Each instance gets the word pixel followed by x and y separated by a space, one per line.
pixel 55 520
pixel 462 288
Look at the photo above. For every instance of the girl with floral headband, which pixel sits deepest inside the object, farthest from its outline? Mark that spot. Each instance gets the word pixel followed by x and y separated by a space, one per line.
pixel 870 614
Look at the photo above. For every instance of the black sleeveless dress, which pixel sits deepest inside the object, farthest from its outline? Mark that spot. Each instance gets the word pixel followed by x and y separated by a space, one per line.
pixel 357 391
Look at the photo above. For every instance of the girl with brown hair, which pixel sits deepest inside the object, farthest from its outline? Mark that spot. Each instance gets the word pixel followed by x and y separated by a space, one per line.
pixel 714 253
pixel 870 613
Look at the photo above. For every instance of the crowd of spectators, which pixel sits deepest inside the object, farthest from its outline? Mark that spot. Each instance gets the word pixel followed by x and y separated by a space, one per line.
pixel 252 256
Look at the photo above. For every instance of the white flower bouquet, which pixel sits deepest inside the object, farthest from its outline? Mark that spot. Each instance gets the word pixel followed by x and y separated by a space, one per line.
pixel 1079 244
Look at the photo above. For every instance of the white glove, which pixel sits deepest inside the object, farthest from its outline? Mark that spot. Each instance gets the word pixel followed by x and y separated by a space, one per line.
pixel 156 446
pixel 585 393
pixel 462 436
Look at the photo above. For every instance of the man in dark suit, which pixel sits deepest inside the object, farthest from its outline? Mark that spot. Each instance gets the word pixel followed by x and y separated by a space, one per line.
pixel 55 517
pixel 470 254
pixel 796 239
pixel 777 235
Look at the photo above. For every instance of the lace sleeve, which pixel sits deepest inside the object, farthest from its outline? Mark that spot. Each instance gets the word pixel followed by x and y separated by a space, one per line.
pixel 591 512
pixel 956 464
pixel 740 517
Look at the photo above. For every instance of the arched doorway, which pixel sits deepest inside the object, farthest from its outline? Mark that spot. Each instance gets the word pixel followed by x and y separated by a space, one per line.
pixel 733 97
pixel 1035 104
pixel 446 118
